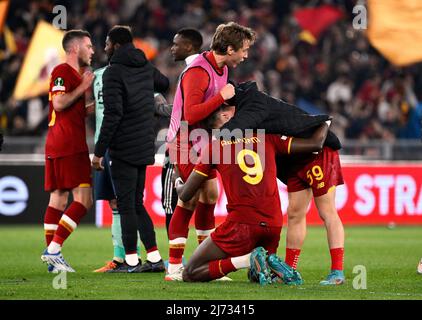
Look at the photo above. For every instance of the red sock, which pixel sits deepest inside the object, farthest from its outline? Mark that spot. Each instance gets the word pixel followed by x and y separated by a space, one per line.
pixel 219 268
pixel 179 228
pixel 337 258
pixel 292 257
pixel 204 216
pixel 176 254
pixel 51 221
pixel 69 221
pixel 204 220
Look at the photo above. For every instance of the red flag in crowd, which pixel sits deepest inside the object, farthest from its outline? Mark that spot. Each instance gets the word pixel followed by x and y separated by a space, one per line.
pixel 314 21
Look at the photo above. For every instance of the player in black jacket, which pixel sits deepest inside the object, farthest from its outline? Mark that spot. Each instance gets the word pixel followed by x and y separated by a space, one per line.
pixel 128 132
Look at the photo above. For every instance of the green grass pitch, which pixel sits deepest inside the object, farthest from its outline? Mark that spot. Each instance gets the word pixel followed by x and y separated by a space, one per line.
pixel 390 257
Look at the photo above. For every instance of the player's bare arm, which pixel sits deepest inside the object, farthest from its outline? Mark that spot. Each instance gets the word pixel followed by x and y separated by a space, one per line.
pixel 313 144
pixel 63 101
pixel 89 102
pixel 187 190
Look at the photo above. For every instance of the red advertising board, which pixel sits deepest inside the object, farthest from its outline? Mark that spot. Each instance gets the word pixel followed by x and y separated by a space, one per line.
pixel 372 194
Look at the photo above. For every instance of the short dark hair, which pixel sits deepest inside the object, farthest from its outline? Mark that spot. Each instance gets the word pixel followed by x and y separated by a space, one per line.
pixel 193 36
pixel 120 34
pixel 209 121
pixel 73 34
pixel 231 34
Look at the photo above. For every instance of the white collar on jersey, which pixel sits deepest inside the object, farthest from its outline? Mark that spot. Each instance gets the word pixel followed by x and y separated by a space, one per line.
pixel 190 59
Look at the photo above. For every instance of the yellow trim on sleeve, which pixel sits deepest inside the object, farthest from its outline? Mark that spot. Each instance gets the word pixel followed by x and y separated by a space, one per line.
pixel 85 185
pixel 201 173
pixel 55 93
pixel 290 144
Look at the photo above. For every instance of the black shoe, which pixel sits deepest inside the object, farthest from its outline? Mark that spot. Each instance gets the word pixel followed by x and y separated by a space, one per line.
pixel 125 268
pixel 149 266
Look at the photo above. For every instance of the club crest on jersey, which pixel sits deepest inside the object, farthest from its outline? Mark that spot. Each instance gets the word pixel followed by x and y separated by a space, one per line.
pixel 58 85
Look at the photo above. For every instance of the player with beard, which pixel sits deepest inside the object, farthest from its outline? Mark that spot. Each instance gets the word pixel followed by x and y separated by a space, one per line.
pixel 67 163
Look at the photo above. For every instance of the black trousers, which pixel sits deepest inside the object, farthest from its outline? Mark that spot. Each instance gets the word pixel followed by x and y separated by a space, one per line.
pixel 129 183
pixel 168 193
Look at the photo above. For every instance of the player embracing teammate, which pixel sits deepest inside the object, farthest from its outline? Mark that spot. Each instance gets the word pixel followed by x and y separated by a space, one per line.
pixel 201 89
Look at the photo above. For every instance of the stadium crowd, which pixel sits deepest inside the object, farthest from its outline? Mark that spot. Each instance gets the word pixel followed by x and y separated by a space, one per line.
pixel 342 75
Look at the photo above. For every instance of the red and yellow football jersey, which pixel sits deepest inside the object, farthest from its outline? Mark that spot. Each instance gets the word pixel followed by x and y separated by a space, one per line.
pixel 66 129
pixel 248 170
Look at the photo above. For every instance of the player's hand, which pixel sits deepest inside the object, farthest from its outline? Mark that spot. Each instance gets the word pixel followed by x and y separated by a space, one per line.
pixel 159 99
pixel 87 79
pixel 97 163
pixel 227 92
pixel 179 184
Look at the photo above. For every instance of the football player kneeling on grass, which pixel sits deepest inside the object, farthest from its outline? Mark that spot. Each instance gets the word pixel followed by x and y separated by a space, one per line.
pixel 250 235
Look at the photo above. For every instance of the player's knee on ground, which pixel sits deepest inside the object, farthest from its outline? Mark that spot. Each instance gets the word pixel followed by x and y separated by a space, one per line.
pixel 192 269
pixel 186 276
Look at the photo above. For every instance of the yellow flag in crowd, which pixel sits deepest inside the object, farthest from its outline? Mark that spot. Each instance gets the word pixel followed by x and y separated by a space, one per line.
pixel 395 29
pixel 44 53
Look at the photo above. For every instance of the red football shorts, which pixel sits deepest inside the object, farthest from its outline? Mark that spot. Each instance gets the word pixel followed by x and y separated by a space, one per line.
pixel 69 172
pixel 237 239
pixel 320 173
